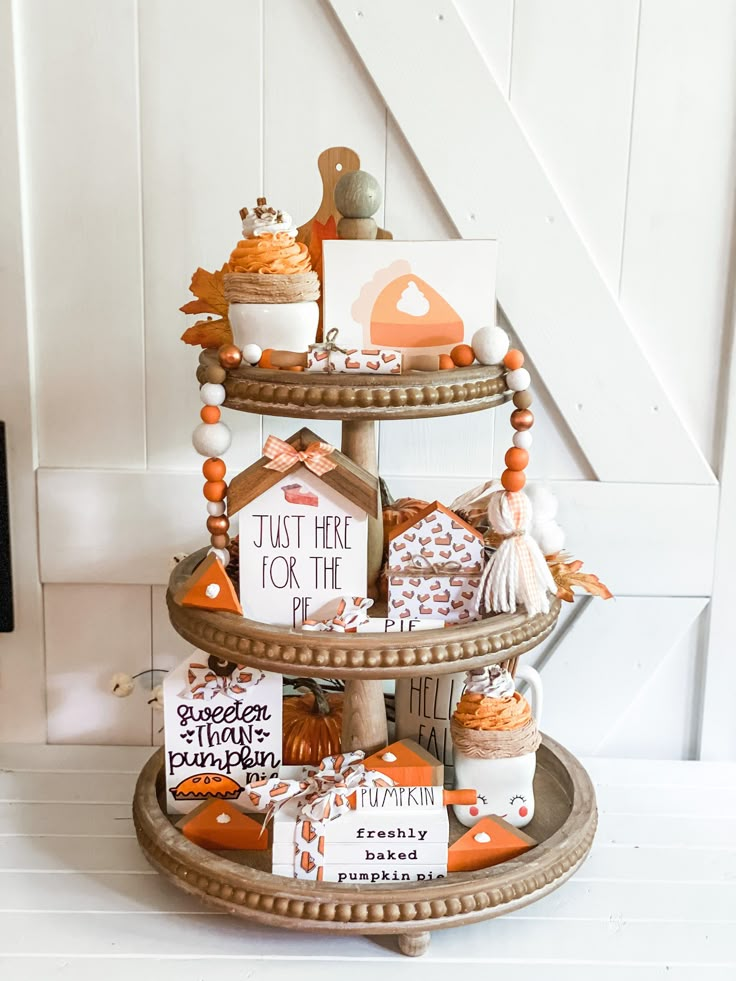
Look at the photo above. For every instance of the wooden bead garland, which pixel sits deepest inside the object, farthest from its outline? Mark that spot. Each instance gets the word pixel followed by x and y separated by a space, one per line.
pixel 522 419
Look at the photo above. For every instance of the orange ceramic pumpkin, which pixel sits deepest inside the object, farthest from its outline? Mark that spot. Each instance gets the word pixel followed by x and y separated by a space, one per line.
pixel 397 512
pixel 312 724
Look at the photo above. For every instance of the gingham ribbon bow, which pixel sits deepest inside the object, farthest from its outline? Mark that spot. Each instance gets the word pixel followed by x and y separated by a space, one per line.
pixel 283 456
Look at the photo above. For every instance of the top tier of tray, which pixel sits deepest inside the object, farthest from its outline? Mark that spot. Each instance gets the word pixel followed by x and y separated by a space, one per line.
pixel 414 395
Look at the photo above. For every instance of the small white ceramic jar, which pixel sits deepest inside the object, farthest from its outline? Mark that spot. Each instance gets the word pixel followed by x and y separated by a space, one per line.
pixel 279 326
pixel 505 786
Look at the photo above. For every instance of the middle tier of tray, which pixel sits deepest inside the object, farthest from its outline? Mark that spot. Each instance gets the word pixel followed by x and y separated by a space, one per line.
pixel 495 639
pixel 319 395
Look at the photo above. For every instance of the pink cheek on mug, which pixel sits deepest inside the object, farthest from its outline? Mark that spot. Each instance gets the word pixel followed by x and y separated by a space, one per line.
pixel 523 811
pixel 473 811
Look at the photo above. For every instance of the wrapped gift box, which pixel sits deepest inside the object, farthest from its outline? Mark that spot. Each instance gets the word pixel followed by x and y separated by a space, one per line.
pixel 366 361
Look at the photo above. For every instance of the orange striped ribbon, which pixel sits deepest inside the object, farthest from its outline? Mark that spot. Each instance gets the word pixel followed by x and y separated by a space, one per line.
pixel 283 456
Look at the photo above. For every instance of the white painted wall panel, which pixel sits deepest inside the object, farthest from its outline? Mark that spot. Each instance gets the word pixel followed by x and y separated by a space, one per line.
pixel 78 85
pixel 201 156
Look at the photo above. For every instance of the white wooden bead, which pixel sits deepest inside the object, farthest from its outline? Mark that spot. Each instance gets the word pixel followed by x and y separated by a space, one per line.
pixel 215 508
pixel 211 438
pixel 252 353
pixel 490 345
pixel 222 554
pixel 523 440
pixel 212 394
pixel 518 380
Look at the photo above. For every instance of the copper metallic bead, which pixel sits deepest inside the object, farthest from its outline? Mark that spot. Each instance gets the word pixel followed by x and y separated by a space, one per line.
pixel 230 356
pixel 220 541
pixel 522 419
pixel 215 374
pixel 522 400
pixel 217 525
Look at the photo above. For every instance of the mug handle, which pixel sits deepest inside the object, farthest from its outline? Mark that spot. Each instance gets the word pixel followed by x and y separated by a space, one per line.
pixel 534 680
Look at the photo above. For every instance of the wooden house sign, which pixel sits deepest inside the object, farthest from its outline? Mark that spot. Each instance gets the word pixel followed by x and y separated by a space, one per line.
pixel 304 509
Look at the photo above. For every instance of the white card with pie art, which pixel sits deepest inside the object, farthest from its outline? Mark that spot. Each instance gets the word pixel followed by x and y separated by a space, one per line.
pixel 416 297
pixel 222 731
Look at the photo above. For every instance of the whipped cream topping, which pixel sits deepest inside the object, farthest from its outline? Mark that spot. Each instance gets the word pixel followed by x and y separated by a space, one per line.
pixel 223 818
pixel 412 301
pixel 389 757
pixel 482 837
pixel 265 220
pixel 492 682
pixel 212 590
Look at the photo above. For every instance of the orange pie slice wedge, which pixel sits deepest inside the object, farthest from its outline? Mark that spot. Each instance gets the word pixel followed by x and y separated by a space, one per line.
pixel 408 764
pixel 408 312
pixel 219 826
pixel 489 842
pixel 210 588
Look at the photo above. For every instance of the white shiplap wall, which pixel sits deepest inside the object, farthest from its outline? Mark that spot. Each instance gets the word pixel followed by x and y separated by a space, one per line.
pixel 141 130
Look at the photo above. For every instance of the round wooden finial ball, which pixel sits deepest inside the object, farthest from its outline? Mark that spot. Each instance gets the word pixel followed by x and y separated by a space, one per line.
pixel 490 345
pixel 252 353
pixel 518 380
pixel 211 440
pixel 220 541
pixel 230 356
pixel 514 359
pixel 216 374
pixel 215 508
pixel 217 525
pixel 446 362
pixel 210 414
pixel 522 400
pixel 462 355
pixel 513 480
pixel 516 458
pixel 215 490
pixel 214 468
pixel 523 440
pixel 522 419
pixel 358 195
pixel 212 394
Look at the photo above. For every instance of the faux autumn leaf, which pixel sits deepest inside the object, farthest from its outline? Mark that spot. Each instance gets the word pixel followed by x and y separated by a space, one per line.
pixel 208 287
pixel 567 576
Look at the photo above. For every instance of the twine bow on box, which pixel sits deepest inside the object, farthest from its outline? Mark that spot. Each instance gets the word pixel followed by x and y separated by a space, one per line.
pixel 283 456
pixel 322 796
pixel 420 565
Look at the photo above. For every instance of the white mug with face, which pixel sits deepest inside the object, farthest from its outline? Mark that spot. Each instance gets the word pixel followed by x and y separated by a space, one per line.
pixel 505 786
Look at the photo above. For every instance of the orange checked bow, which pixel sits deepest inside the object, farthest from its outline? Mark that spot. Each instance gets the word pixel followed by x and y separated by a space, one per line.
pixel 283 456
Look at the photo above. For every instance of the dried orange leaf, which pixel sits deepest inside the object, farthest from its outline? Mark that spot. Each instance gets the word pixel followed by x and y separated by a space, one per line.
pixel 209 288
pixel 208 333
pixel 567 576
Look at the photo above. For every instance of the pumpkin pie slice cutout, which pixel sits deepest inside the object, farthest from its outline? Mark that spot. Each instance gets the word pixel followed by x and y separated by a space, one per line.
pixel 408 764
pixel 210 588
pixel 490 842
pixel 219 826
pixel 201 786
pixel 410 313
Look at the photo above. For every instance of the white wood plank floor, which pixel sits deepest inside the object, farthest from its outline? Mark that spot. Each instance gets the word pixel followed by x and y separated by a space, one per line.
pixel 656 898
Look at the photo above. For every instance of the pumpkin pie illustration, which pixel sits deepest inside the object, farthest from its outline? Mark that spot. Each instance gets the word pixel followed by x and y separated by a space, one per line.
pixel 203 785
pixel 298 494
pixel 408 312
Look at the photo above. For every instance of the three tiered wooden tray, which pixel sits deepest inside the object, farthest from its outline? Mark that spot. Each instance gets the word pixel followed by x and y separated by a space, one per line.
pixel 565 819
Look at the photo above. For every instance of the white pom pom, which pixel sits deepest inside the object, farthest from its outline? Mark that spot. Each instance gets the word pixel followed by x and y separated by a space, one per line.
pixel 211 439
pixel 490 345
pixel 544 503
pixel 252 353
pixel 222 554
pixel 212 394
pixel 550 537
pixel 518 380
pixel 523 440
pixel 215 508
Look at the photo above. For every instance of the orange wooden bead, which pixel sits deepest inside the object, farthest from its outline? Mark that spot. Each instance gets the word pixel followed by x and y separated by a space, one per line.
pixel 230 356
pixel 462 355
pixel 218 525
pixel 516 458
pixel 210 413
pixel 214 468
pixel 513 480
pixel 446 362
pixel 265 361
pixel 522 419
pixel 220 541
pixel 514 359
pixel 215 490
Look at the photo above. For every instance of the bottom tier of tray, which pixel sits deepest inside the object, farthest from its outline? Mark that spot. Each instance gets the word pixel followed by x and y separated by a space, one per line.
pixel 240 884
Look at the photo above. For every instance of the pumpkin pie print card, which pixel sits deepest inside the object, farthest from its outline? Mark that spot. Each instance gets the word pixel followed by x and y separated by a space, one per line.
pixel 417 297
pixel 222 730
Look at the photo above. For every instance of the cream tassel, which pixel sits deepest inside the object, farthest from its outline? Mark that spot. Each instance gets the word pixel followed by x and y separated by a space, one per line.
pixel 517 572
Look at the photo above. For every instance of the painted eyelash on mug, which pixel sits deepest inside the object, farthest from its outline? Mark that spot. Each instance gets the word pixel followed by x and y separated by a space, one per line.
pixel 516 797
pixel 482 799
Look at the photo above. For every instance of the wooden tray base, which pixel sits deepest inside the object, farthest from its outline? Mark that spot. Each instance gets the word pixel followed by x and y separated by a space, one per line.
pixel 564 826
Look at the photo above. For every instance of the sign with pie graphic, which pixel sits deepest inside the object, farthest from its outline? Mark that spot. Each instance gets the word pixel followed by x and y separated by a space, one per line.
pixel 415 297
pixel 222 730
